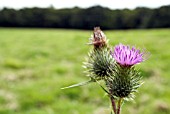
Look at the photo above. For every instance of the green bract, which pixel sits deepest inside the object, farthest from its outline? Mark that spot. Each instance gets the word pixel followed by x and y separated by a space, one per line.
pixel 125 82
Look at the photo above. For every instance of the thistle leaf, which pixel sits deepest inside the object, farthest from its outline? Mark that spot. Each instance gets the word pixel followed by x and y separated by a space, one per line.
pixel 79 84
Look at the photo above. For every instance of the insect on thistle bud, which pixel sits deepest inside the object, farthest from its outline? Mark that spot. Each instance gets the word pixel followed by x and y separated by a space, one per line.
pixel 98 39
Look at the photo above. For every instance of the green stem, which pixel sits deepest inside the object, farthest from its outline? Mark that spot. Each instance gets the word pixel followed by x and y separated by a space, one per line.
pixel 119 106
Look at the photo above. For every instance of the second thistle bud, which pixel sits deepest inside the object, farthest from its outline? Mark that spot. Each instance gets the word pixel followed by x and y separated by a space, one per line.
pixel 100 63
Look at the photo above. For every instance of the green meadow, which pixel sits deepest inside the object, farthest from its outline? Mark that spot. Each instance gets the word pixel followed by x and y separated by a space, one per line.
pixel 36 63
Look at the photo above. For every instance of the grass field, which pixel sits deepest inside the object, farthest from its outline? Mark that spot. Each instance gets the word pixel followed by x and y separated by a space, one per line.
pixel 36 63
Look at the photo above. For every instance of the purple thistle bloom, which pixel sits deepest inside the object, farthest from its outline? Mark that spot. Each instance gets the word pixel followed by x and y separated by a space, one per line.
pixel 126 56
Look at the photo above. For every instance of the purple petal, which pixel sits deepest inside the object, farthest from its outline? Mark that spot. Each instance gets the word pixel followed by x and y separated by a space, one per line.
pixel 125 55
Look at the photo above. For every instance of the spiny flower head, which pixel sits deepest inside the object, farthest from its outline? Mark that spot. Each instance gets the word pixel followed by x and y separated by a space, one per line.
pixel 98 39
pixel 126 56
pixel 99 64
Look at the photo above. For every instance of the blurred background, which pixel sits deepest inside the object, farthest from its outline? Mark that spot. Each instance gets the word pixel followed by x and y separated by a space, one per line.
pixel 43 45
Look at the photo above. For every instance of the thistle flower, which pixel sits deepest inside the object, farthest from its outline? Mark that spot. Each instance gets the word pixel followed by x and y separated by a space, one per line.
pixel 115 68
pixel 126 78
pixel 98 39
pixel 126 56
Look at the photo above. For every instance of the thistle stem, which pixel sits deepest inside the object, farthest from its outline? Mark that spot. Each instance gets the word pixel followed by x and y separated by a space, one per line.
pixel 113 104
pixel 119 106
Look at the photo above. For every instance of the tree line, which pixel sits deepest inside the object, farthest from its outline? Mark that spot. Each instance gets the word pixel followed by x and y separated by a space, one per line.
pixel 79 18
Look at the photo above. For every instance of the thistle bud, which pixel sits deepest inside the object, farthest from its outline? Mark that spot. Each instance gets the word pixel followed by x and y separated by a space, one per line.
pixel 99 64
